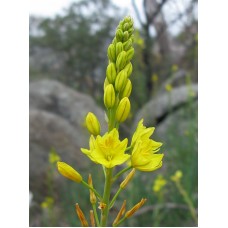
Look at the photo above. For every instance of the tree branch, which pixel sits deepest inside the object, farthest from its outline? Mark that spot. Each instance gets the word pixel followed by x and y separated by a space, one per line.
pixel 137 12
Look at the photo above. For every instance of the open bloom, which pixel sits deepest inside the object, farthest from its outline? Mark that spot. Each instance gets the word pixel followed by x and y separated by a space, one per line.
pixel 144 157
pixel 141 133
pixel 107 150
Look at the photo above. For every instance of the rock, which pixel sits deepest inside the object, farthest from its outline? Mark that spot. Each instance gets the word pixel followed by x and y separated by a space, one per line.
pixel 182 117
pixel 158 108
pixel 46 131
pixel 57 121
pixel 57 98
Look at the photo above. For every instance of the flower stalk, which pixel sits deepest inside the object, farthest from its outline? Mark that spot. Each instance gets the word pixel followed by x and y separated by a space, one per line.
pixel 108 150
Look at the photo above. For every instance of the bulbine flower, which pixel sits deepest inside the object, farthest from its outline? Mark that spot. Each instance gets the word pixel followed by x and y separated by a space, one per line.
pixel 142 133
pixel 143 155
pixel 107 150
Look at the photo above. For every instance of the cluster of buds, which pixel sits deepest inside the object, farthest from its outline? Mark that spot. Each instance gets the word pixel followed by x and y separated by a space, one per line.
pixel 117 85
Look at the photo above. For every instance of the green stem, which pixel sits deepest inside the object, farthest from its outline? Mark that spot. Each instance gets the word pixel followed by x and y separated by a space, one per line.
pixel 106 196
pixel 121 172
pixel 95 192
pixel 114 198
pixel 187 200
pixel 95 214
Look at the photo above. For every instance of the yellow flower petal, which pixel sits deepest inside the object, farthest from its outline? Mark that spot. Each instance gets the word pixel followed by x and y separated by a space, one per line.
pixel 107 150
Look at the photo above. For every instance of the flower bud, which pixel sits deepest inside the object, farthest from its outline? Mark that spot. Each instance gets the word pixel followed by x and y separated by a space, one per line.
pixel 177 176
pixel 68 172
pixel 119 35
pixel 92 196
pixel 127 89
pixel 119 48
pixel 92 124
pixel 111 72
pixel 131 30
pixel 127 45
pixel 128 68
pixel 125 36
pixel 126 26
pixel 127 179
pixel 135 208
pixel 121 60
pixel 109 96
pixel 114 41
pixel 121 80
pixel 112 53
pixel 130 54
pixel 106 83
pixel 123 110
pixel 81 216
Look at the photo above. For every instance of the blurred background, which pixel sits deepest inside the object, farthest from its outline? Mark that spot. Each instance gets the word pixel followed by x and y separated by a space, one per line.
pixel 68 58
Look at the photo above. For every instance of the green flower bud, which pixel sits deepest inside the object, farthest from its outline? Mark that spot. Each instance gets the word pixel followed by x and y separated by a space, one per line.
pixel 114 41
pixel 121 60
pixel 132 38
pixel 130 54
pixel 127 89
pixel 123 110
pixel 106 83
pixel 128 68
pixel 125 36
pixel 127 45
pixel 92 124
pixel 119 35
pixel 121 80
pixel 119 48
pixel 112 53
pixel 111 72
pixel 126 26
pixel 130 31
pixel 128 19
pixel 109 96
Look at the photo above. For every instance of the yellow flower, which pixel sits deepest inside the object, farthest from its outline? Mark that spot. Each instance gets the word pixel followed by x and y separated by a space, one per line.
pixel 141 133
pixel 168 87
pixel 177 176
pixel 143 156
pixel 107 150
pixel 154 78
pixel 174 68
pixel 68 172
pixel 47 203
pixel 159 183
